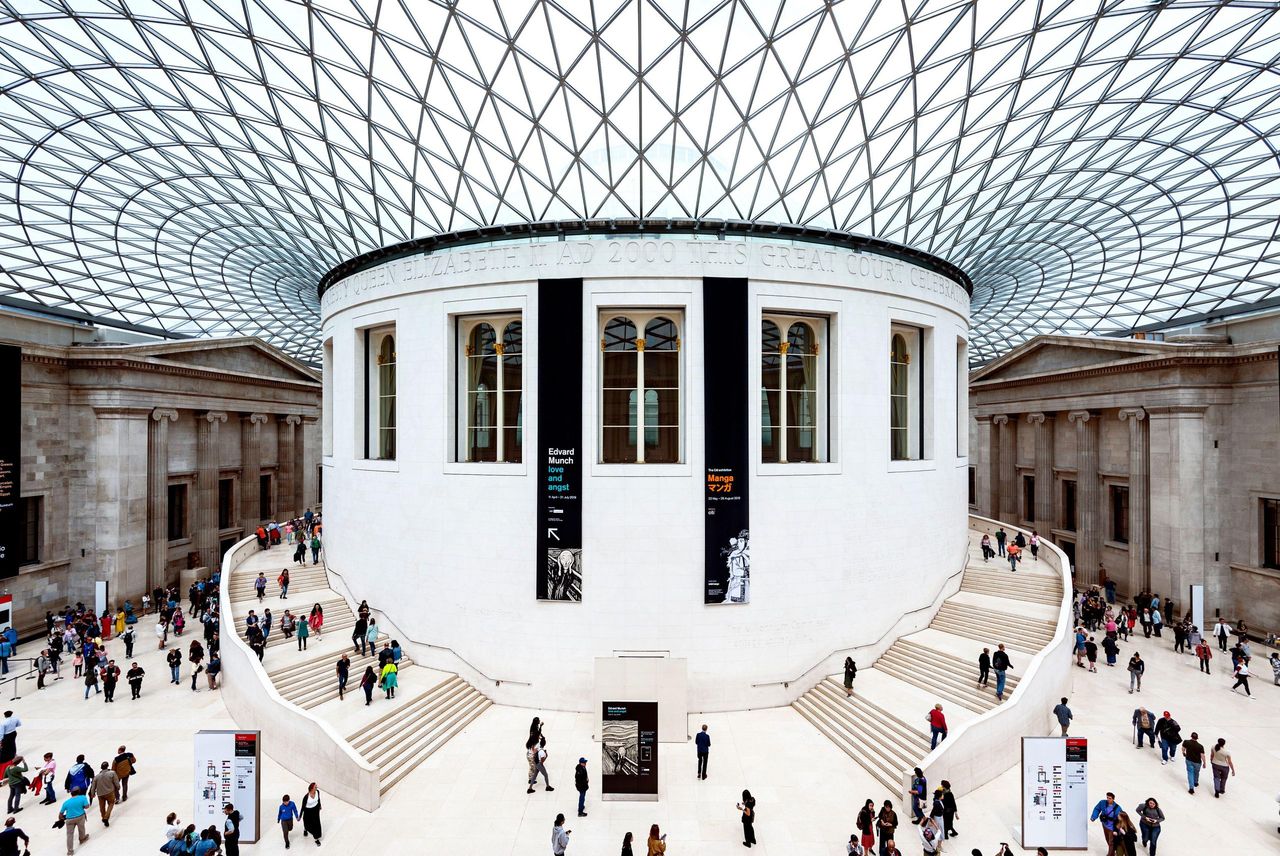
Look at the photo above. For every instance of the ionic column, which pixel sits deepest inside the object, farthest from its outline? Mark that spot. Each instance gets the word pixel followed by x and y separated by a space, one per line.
pixel 250 469
pixel 1008 468
pixel 286 465
pixel 1089 512
pixel 206 506
pixel 158 497
pixel 1044 469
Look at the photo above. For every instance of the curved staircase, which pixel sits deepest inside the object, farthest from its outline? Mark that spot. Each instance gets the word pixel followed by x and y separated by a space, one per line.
pixel 939 665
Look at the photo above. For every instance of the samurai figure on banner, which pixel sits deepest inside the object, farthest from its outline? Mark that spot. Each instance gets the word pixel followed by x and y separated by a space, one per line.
pixel 737 558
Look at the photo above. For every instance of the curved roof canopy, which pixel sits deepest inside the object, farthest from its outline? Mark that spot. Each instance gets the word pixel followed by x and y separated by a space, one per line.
pixel 198 165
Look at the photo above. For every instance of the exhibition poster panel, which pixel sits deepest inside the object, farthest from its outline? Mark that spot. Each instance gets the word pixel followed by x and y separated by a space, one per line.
pixel 227 771
pixel 1055 792
pixel 629 748
pixel 727 561
pixel 559 559
pixel 10 459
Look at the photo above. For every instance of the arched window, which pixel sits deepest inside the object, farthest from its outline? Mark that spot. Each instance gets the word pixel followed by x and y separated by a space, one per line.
pixel 387 397
pixel 790 392
pixel 635 370
pixel 493 354
pixel 906 413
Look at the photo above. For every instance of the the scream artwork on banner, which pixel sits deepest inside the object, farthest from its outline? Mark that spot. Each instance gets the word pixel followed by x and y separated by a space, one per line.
pixel 629 749
pixel 11 527
pixel 727 562
pixel 559 558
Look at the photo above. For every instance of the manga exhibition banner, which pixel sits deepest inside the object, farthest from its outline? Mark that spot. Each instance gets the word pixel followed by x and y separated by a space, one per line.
pixel 559 559
pixel 727 563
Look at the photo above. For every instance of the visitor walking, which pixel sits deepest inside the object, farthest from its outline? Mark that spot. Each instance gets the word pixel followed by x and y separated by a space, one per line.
pixel 949 810
pixel 73 812
pixel 286 813
pixel 919 793
pixel 316 619
pixel 866 824
pixel 984 666
pixel 343 670
pixel 1136 668
pixel 1193 752
pixel 1144 726
pixel 1241 674
pixel 1204 654
pixel 311 813
pixel 886 824
pixel 748 809
pixel 1110 648
pixel 174 659
pixel 122 764
pixel 390 680
pixel 48 777
pixel 260 586
pixel 1001 537
pixel 537 754
pixel 850 672
pixel 195 656
pixel 931 833
pixel 1106 812
pixel 359 644
pixel 1125 840
pixel 283 581
pixel 702 745
pixel 1064 715
pixel 657 841
pixel 1150 817
pixel 937 726
pixel 304 633
pixel 106 784
pixel 1222 765
pixel 15 776
pixel 367 682
pixel 1170 734
pixel 9 839
pixel 581 783
pixel 1000 662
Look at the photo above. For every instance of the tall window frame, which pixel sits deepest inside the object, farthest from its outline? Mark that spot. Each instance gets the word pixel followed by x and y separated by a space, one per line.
pixel 794 388
pixel 31 547
pixel 641 361
pixel 906 393
pixel 1270 540
pixel 1119 495
pixel 178 525
pixel 1070 509
pixel 380 393
pixel 1029 497
pixel 489 388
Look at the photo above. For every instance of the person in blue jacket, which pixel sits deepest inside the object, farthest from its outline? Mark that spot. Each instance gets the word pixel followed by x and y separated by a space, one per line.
pixel 286 814
pixel 1107 812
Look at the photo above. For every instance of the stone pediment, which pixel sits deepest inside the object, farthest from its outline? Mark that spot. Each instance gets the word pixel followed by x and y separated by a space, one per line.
pixel 1046 355
pixel 240 356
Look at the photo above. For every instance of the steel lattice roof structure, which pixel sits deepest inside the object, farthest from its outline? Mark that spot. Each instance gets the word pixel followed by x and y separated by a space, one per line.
pixel 198 165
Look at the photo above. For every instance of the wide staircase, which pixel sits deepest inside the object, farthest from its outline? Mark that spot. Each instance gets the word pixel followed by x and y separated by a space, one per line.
pixel 397 740
pixel 883 726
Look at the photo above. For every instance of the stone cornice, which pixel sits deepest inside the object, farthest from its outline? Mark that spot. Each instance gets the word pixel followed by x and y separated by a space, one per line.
pixel 117 412
pixel 155 366
pixel 1178 410
pixel 1131 367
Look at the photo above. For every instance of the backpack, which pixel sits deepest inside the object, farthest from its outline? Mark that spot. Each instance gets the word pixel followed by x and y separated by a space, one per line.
pixel 929 834
pixel 1145 721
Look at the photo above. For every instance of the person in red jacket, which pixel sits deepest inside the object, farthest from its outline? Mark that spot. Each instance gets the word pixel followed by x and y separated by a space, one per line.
pixel 937 726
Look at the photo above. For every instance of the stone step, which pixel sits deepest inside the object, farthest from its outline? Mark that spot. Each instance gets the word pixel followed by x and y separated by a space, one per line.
pixel 1022 581
pixel 841 738
pixel 381 739
pixel 444 728
pixel 993 591
pixel 968 670
pixel 285 672
pixel 1000 619
pixel 877 717
pixel 894 750
pixel 986 635
pixel 328 690
pixel 995 630
pixel 947 685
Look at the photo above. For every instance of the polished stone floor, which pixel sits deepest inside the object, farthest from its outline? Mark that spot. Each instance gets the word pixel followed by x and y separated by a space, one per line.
pixel 470 797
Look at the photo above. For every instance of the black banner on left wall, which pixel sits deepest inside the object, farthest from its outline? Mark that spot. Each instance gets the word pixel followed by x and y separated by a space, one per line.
pixel 559 559
pixel 11 523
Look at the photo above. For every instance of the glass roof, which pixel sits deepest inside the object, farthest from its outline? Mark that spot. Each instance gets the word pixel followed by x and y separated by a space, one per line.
pixel 198 165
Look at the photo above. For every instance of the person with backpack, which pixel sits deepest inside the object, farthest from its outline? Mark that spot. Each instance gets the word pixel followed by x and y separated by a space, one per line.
pixel 1144 726
pixel 1170 734
pixel 919 791
pixel 122 764
pixel 1000 662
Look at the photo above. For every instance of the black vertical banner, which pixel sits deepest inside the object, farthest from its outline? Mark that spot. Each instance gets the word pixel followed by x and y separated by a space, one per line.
pixel 726 409
pixel 11 525
pixel 559 559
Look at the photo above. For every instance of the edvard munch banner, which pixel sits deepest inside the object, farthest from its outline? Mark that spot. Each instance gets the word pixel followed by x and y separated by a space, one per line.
pixel 559 559
pixel 726 412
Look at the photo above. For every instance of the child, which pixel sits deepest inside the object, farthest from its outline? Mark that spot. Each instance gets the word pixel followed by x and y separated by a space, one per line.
pixel 78 662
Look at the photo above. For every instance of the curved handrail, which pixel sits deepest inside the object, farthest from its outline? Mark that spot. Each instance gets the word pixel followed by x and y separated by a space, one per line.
pixel 931 605
pixel 390 622
pixel 279 734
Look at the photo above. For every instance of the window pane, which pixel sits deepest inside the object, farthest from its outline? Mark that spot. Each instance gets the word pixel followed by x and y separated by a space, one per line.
pixel 660 335
pixel 483 338
pixel 898 412
pixel 771 372
pixel 513 338
pixel 770 337
pixel 482 408
pixel 387 412
pixel 801 340
pixel 800 445
pixel 662 407
pixel 619 446
pixel 620 369
pixel 512 441
pixel 619 335
pixel 898 437
pixel 511 408
pixel 802 372
pixel 802 413
pixel 619 407
pixel 662 445
pixel 482 373
pixel 661 369
pixel 511 371
pixel 387 444
pixel 482 445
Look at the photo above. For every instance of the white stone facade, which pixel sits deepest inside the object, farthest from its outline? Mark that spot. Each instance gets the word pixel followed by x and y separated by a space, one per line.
pixel 840 548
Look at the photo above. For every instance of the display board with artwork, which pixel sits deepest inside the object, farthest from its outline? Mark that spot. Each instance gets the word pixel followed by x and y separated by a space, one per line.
pixel 629 750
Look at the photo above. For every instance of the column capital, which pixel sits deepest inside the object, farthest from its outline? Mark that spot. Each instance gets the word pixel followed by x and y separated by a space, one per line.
pixel 1002 419
pixel 214 416
pixel 162 413
pixel 1082 415
pixel 1038 418
pixel 291 419
pixel 252 418
pixel 1137 414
